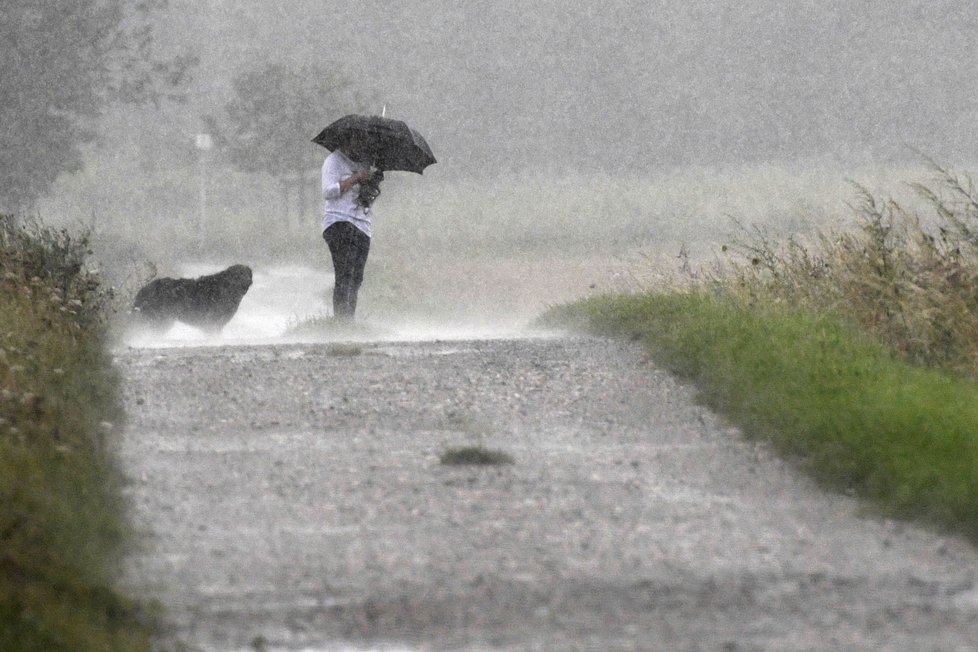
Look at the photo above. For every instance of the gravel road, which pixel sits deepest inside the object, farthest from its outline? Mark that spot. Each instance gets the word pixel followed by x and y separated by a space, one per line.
pixel 290 496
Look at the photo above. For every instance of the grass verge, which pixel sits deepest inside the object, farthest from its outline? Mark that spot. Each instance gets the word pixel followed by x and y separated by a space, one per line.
pixel 62 518
pixel 820 391
pixel 906 276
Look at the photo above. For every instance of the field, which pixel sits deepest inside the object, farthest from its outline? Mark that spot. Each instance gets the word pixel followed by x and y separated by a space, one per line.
pixel 499 248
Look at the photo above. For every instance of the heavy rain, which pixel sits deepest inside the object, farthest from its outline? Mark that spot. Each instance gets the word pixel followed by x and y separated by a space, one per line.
pixel 572 143
pixel 283 469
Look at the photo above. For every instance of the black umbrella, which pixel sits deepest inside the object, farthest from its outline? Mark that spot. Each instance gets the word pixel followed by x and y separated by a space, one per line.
pixel 384 143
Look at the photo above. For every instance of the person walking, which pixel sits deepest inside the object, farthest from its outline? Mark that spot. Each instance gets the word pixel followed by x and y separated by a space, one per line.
pixel 349 188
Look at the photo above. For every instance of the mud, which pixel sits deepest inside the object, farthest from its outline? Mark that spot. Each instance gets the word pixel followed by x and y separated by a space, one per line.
pixel 290 497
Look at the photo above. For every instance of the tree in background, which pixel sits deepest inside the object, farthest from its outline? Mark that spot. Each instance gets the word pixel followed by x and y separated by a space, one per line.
pixel 268 126
pixel 62 64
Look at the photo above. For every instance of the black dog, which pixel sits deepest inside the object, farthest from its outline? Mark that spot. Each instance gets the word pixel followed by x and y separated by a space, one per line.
pixel 207 302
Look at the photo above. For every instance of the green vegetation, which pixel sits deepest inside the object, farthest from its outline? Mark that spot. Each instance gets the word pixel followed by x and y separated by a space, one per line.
pixel 264 128
pixel 855 354
pixel 56 80
pixel 62 518
pixel 907 277
pixel 820 391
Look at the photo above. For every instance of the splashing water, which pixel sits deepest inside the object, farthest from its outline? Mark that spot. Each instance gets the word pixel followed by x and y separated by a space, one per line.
pixel 282 297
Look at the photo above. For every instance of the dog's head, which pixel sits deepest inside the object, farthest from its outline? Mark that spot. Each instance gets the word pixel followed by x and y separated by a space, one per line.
pixel 238 277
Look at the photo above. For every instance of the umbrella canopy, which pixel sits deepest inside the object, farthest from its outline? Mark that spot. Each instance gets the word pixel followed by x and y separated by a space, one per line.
pixel 381 142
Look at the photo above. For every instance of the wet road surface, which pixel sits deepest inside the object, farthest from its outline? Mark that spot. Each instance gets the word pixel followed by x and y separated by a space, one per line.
pixel 290 496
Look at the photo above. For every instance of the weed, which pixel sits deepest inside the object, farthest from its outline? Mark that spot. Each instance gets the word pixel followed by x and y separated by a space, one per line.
pixel 907 277
pixel 62 518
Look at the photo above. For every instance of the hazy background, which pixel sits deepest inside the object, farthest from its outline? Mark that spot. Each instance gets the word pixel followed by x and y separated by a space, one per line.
pixel 577 147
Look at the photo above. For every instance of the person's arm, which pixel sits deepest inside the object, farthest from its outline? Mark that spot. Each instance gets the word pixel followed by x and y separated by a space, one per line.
pixel 334 183
pixel 353 180
pixel 335 189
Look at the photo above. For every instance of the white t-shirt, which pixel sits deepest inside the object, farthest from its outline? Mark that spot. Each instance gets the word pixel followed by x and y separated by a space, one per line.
pixel 343 207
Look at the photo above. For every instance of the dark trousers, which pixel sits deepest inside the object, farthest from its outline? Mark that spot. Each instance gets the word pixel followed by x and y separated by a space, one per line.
pixel 349 247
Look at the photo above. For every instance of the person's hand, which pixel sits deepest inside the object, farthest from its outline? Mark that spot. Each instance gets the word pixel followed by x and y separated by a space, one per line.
pixel 354 179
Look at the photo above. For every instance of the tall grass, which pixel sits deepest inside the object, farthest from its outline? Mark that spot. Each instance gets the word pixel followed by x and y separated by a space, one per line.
pixel 62 519
pixel 909 277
